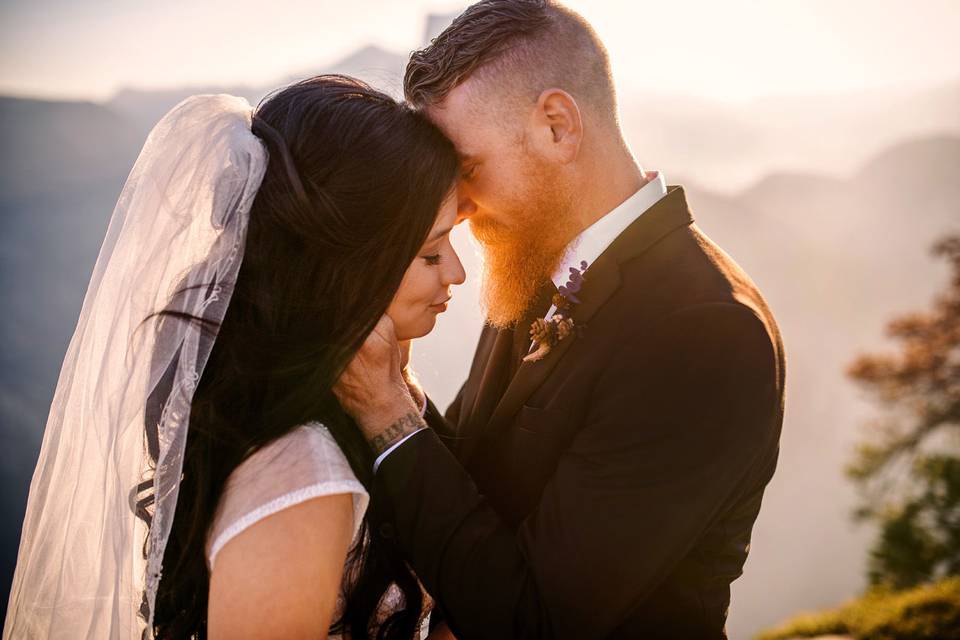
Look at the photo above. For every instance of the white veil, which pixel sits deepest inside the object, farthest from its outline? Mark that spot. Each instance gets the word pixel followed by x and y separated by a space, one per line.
pixel 175 241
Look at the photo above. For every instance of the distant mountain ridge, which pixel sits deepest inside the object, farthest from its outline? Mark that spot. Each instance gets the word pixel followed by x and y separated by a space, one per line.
pixel 728 146
pixel 373 64
pixel 53 147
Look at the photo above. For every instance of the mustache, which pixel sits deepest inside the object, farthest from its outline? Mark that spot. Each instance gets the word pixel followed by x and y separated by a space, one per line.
pixel 492 232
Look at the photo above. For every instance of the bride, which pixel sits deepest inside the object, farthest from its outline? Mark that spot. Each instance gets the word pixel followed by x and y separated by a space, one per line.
pixel 198 478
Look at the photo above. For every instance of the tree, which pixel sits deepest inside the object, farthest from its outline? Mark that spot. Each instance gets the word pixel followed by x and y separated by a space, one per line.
pixel 909 469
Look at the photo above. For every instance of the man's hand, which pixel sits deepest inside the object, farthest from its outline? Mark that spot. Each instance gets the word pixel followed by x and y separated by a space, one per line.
pixel 413 386
pixel 405 349
pixel 373 390
pixel 409 377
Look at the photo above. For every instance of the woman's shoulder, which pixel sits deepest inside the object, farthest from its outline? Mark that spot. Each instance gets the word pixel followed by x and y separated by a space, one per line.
pixel 281 576
pixel 303 464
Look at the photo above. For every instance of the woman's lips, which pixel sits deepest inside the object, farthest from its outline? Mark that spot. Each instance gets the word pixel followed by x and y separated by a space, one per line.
pixel 441 306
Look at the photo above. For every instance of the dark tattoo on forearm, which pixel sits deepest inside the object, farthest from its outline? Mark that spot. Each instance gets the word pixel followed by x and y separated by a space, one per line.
pixel 402 427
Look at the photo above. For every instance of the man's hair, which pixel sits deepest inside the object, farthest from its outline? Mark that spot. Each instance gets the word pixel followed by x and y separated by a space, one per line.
pixel 523 46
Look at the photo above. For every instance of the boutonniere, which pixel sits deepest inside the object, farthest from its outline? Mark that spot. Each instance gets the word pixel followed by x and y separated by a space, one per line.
pixel 547 333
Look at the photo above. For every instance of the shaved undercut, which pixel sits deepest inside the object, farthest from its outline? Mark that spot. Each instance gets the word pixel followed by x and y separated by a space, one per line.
pixel 517 48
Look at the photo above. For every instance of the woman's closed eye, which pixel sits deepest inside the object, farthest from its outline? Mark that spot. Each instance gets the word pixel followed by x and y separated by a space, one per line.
pixel 433 260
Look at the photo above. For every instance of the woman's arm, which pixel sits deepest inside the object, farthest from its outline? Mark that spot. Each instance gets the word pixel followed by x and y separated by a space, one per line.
pixel 280 578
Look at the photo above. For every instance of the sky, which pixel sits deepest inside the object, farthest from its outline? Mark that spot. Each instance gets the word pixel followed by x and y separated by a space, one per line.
pixel 733 50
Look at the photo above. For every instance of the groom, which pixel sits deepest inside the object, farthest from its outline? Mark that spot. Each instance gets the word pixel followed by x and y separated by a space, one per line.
pixel 603 481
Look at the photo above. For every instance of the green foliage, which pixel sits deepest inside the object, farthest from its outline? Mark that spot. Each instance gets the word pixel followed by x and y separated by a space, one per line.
pixel 921 538
pixel 909 473
pixel 808 625
pixel 909 469
pixel 929 612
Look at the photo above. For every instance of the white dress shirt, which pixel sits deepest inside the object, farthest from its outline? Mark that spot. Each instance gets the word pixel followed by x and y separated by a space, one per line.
pixel 595 239
pixel 587 247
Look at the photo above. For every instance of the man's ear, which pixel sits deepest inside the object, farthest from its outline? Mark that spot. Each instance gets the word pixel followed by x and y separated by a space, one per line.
pixel 559 125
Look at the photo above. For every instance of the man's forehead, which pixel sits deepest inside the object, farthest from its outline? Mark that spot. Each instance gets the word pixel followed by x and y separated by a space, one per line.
pixel 458 114
pixel 464 97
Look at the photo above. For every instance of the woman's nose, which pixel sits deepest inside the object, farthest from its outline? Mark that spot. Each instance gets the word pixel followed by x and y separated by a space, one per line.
pixel 457 274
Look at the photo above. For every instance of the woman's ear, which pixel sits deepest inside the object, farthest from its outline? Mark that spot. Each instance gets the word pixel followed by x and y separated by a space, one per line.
pixel 559 125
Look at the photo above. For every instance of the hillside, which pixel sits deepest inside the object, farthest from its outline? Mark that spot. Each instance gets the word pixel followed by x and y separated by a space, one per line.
pixel 728 147
pixel 836 259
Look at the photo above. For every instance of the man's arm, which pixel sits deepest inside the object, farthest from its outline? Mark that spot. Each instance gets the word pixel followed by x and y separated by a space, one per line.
pixel 677 423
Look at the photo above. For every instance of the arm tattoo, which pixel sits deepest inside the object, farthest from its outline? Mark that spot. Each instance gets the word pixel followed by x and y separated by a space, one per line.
pixel 406 425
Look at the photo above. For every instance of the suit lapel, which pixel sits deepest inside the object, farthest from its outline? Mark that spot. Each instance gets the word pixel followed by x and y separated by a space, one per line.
pixel 601 280
pixel 498 353
pixel 488 382
pixel 481 360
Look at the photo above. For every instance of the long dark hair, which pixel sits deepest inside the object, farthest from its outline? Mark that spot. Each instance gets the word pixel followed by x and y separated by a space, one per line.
pixel 353 186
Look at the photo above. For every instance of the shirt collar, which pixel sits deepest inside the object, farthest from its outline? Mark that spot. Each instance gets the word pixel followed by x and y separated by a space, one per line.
pixel 594 240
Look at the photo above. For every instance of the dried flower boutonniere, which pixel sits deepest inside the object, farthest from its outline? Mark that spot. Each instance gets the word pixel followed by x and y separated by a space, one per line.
pixel 547 333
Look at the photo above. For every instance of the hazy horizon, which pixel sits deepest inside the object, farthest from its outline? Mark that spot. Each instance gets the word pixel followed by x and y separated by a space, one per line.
pixel 740 51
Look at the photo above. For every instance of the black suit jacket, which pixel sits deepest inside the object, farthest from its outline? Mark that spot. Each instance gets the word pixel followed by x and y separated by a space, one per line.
pixel 610 489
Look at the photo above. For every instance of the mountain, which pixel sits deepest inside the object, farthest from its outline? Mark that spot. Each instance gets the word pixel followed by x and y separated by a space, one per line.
pixel 436 23
pixel 55 147
pixel 373 64
pixel 727 147
pixel 145 107
pixel 836 259
pixel 730 146
pixel 61 168
pixel 376 65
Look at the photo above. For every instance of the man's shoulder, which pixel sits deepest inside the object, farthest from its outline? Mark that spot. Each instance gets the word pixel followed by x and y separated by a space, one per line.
pixel 687 290
pixel 686 268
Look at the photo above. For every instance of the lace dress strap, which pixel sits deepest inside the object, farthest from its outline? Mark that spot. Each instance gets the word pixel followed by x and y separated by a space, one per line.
pixel 304 464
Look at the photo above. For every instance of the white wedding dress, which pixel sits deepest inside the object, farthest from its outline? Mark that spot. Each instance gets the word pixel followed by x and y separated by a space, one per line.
pixel 304 464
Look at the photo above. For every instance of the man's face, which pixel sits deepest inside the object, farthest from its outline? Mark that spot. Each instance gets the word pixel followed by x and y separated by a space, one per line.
pixel 516 199
pixel 489 140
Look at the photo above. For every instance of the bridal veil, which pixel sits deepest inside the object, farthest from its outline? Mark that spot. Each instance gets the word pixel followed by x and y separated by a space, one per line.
pixel 175 242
